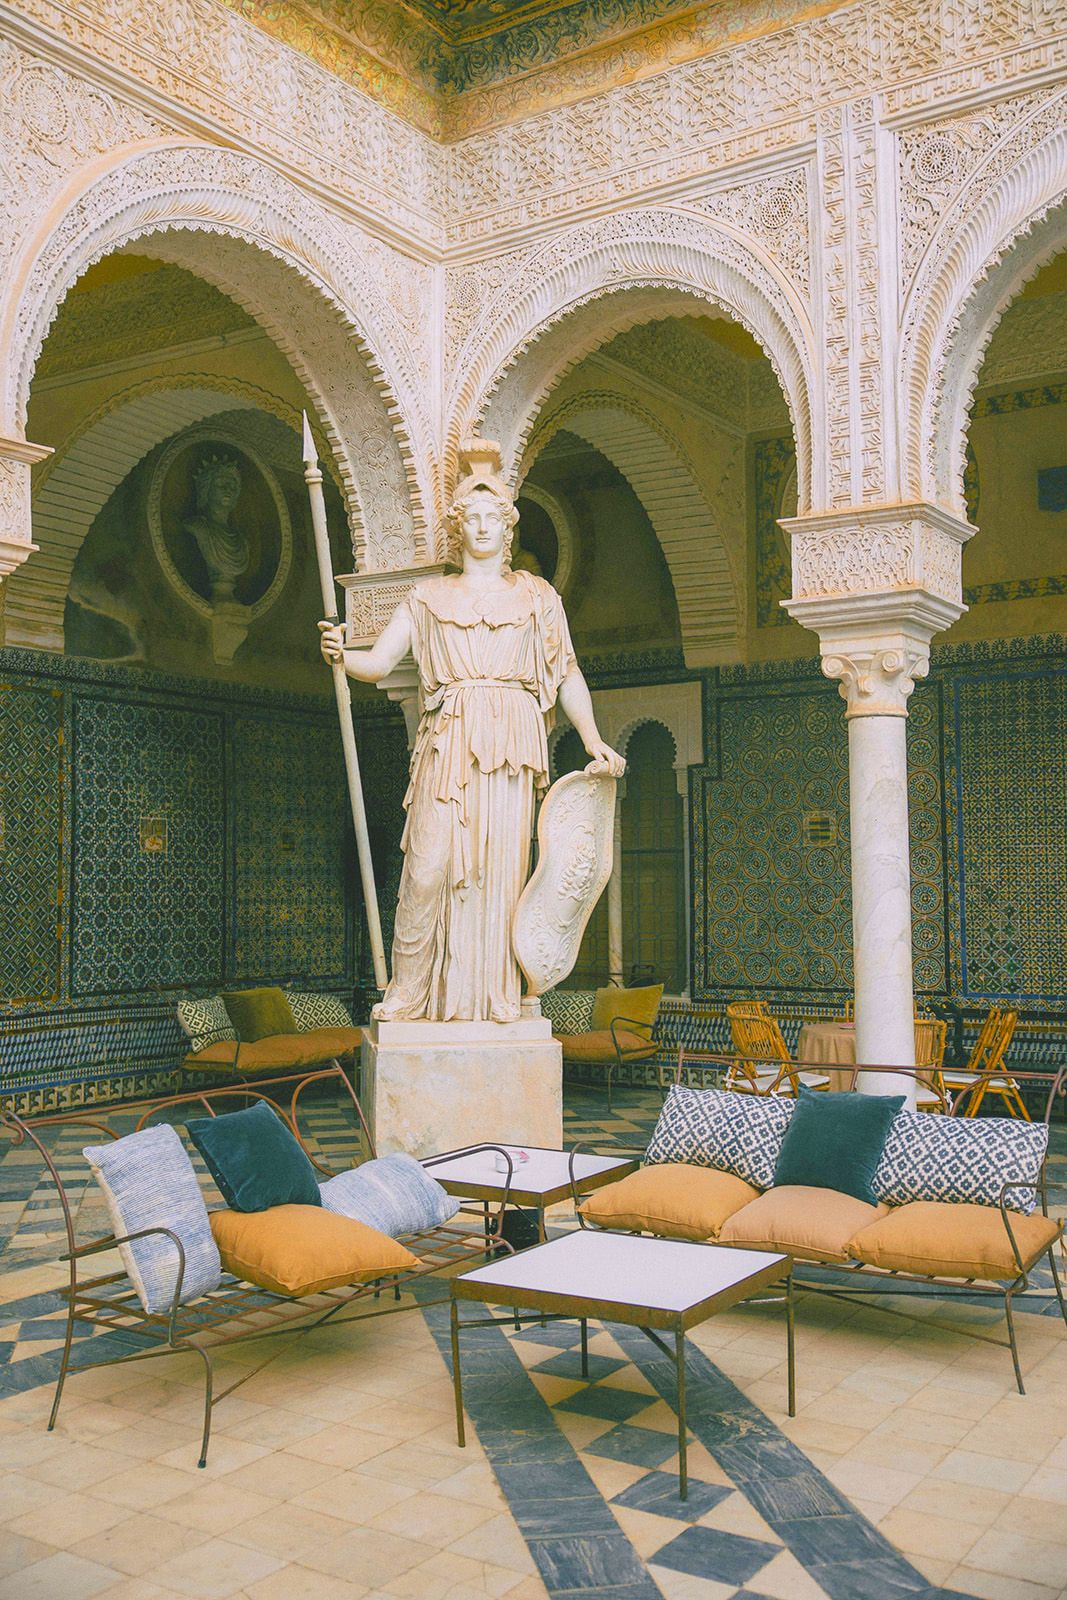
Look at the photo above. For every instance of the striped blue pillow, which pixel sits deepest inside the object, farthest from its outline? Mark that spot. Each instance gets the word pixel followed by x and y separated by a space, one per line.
pixel 149 1182
pixel 391 1193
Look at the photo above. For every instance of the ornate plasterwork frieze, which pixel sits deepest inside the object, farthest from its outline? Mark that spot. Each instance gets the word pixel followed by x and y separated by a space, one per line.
pixel 937 161
pixel 869 551
pixel 851 245
pixel 1003 223
pixel 198 58
pixel 739 102
pixel 53 124
pixel 17 456
pixel 697 118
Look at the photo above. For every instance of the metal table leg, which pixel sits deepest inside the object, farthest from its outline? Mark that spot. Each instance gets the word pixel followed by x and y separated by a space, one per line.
pixel 790 1345
pixel 584 1325
pixel 457 1380
pixel 683 1466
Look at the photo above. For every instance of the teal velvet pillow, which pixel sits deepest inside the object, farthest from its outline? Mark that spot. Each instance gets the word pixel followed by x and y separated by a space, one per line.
pixel 255 1160
pixel 835 1141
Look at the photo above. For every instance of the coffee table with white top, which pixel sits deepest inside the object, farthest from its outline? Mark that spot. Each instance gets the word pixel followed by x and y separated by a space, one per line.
pixel 541 1181
pixel 668 1285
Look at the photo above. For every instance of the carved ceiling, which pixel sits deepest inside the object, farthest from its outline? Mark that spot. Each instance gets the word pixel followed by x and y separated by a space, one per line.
pixel 455 65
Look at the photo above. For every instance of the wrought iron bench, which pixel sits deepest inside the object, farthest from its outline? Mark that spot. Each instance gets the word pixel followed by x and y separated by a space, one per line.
pixel 237 1311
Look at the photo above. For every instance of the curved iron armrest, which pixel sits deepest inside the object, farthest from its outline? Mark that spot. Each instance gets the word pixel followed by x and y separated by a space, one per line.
pixel 111 1243
pixel 1039 1188
pixel 633 1023
pixel 473 1150
pixel 626 1151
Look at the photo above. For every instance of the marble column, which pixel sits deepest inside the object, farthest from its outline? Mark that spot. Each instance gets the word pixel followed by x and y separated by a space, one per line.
pixel 876 584
pixel 682 777
pixel 17 456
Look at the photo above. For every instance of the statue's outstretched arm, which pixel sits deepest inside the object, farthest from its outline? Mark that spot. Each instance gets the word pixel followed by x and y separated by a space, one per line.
pixel 368 666
pixel 577 704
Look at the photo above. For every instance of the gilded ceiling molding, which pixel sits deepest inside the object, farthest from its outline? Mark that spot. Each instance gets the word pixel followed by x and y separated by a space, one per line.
pixel 237 223
pixel 1005 221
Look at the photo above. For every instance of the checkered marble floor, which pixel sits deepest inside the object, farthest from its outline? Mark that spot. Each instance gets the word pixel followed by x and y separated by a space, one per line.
pixel 911 1470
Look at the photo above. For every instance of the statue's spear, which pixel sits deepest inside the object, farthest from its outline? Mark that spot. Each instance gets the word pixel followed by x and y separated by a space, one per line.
pixel 343 695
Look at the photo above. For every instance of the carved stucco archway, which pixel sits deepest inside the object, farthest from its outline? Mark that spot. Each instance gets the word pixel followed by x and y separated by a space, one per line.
pixel 237 223
pixel 577 292
pixel 1003 226
pixel 75 485
pixel 662 478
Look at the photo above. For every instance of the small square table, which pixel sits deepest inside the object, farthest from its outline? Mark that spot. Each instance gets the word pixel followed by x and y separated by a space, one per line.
pixel 544 1180
pixel 665 1284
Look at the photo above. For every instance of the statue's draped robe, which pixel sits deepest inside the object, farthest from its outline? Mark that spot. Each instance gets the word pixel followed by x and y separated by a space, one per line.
pixel 490 669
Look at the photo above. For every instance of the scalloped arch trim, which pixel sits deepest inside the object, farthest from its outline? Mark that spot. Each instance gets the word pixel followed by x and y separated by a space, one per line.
pixel 594 281
pixel 234 221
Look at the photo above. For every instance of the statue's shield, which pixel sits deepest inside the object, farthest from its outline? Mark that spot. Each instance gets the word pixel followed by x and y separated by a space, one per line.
pixel 575 835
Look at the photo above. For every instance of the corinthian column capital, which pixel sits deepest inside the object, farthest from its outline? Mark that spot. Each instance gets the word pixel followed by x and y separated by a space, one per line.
pixel 876 682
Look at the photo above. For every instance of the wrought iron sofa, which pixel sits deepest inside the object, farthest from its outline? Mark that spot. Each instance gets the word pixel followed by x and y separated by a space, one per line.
pixel 942 1248
pixel 238 1310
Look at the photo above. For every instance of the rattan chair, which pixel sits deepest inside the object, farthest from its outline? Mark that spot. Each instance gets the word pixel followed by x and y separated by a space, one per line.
pixel 984 1073
pixel 762 1064
pixel 930 1091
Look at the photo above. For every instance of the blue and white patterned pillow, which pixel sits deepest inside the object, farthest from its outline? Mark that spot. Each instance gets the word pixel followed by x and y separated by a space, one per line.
pixel 205 1021
pixel 394 1194
pixel 738 1133
pixel 570 1011
pixel 961 1159
pixel 149 1182
pixel 318 1011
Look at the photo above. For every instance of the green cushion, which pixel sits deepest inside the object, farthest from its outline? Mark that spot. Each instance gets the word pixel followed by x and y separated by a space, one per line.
pixel 835 1141
pixel 255 1160
pixel 259 1013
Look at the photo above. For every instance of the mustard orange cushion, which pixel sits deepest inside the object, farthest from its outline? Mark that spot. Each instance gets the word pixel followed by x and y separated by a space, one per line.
pixel 674 1200
pixel 636 1005
pixel 278 1051
pixel 815 1224
pixel 939 1238
pixel 600 1046
pixel 297 1250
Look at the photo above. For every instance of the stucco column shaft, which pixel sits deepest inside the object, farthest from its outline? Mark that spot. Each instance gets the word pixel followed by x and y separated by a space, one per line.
pixel 615 970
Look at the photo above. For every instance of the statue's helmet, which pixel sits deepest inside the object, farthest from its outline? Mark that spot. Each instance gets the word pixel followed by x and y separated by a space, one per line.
pixel 479 471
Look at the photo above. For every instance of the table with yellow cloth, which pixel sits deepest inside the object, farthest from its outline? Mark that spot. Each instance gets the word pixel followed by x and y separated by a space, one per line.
pixel 828 1045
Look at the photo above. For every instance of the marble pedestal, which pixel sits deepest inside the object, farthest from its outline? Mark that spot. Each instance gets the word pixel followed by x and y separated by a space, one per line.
pixel 434 1086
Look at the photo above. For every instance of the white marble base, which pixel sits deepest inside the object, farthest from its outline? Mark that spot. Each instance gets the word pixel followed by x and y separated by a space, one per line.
pixel 434 1086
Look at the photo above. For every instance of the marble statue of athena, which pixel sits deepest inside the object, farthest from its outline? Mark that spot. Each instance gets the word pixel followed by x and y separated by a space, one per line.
pixel 494 656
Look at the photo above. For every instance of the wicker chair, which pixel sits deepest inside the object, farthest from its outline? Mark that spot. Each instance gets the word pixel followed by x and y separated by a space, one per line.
pixel 984 1073
pixel 762 1063
pixel 930 1091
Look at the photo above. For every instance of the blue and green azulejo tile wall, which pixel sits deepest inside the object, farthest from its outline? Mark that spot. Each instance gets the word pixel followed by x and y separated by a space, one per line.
pixel 162 836
pixel 987 751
